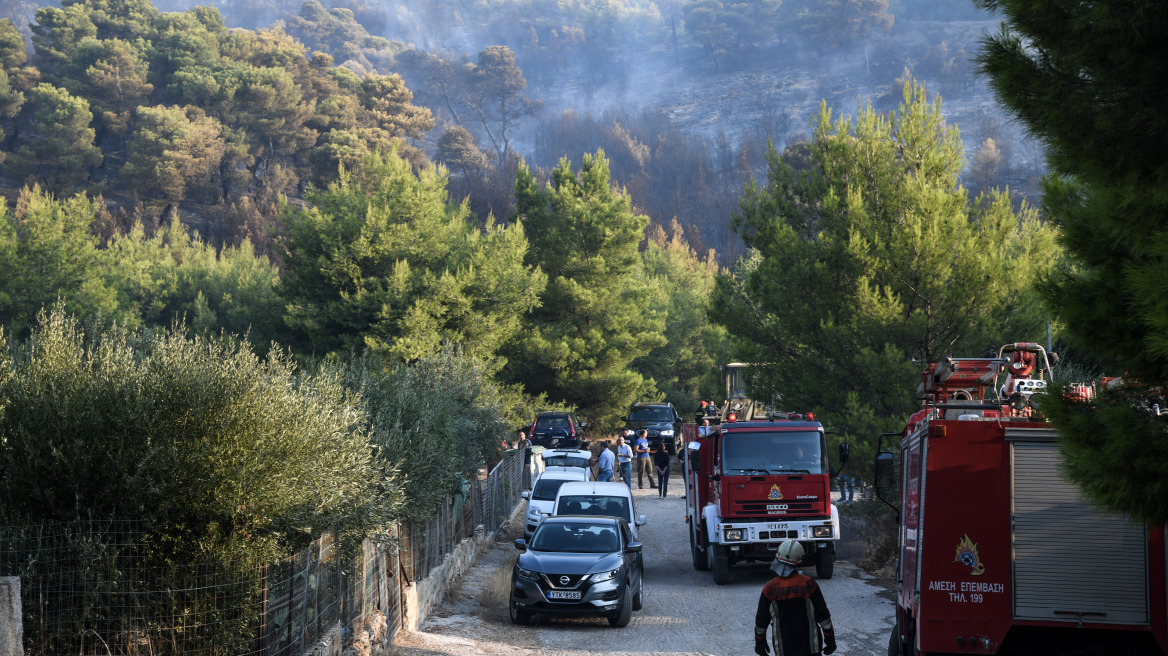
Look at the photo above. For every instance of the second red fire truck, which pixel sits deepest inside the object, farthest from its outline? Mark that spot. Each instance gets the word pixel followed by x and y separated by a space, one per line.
pixel 998 552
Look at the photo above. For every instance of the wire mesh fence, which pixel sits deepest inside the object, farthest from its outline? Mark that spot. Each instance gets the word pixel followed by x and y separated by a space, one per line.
pixel 487 503
pixel 92 587
pixel 100 588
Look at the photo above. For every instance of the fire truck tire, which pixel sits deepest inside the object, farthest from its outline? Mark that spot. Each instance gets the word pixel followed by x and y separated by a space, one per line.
pixel 825 562
pixel 720 563
pixel 898 648
pixel 621 619
pixel 700 561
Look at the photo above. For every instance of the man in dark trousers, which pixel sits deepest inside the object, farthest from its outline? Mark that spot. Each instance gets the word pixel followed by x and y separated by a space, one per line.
pixel 794 607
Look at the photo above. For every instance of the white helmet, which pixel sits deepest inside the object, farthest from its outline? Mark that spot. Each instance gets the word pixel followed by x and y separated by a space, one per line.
pixel 790 553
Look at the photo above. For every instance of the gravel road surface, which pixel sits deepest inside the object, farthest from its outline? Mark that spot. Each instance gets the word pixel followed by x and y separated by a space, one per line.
pixel 684 613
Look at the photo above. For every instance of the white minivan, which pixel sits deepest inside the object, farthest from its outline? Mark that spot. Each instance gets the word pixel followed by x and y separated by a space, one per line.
pixel 542 495
pixel 608 499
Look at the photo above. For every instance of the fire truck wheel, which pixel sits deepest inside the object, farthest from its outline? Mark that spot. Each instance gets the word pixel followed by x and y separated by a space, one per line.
pixel 898 648
pixel 625 613
pixel 700 561
pixel 825 562
pixel 720 563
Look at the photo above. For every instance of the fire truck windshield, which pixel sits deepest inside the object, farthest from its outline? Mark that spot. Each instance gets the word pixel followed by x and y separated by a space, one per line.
pixel 788 452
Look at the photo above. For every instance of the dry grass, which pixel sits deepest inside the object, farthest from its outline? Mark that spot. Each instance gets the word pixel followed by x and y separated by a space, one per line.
pixel 496 593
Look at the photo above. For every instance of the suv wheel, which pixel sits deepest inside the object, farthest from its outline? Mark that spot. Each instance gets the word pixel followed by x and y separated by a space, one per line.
pixel 622 617
pixel 518 615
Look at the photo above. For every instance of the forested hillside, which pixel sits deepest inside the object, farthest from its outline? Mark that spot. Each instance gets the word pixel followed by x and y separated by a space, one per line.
pixel 529 187
pixel 682 96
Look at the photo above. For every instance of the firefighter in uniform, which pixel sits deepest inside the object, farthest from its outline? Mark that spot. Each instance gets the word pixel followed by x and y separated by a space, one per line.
pixel 794 607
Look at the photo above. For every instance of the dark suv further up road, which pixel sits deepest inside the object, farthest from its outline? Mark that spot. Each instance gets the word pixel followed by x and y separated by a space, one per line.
pixel 556 429
pixel 660 419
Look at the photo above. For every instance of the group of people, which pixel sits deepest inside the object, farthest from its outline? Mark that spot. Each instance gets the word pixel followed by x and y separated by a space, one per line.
pixel 648 460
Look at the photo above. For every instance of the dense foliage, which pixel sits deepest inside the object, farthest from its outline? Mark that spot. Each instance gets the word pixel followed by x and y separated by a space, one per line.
pixel 175 106
pixel 870 261
pixel 600 311
pixel 217 452
pixel 383 260
pixel 1093 88
pixel 686 367
pixel 437 421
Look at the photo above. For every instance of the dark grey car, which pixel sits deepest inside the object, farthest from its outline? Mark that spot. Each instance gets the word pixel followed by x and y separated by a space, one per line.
pixel 578 566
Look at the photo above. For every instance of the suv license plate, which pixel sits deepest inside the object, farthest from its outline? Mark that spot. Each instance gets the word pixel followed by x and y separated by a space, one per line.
pixel 563 594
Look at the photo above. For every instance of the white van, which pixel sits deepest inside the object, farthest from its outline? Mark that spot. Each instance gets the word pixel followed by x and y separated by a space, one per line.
pixel 608 499
pixel 542 495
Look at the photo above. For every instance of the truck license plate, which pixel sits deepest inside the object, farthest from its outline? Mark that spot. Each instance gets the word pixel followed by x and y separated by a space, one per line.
pixel 776 527
pixel 563 594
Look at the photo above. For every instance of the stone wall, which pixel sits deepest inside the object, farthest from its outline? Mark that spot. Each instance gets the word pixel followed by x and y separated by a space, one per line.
pixel 11 620
pixel 422 596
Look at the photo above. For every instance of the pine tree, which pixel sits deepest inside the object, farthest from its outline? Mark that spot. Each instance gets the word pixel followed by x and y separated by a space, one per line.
pixel 382 259
pixel 685 368
pixel 600 311
pixel 1091 81
pixel 873 262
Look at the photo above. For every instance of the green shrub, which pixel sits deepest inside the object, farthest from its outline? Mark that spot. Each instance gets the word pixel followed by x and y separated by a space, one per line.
pixel 220 454
pixel 437 420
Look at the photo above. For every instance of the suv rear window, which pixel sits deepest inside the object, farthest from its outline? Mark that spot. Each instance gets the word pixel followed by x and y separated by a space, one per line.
pixel 651 414
pixel 550 423
pixel 594 505
pixel 566 461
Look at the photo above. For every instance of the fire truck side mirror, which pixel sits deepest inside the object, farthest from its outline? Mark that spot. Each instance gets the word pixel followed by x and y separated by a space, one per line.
pixel 694 457
pixel 845 452
pixel 885 475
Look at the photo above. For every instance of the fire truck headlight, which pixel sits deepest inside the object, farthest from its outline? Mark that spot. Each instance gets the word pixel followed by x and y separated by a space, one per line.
pixel 821 531
pixel 734 535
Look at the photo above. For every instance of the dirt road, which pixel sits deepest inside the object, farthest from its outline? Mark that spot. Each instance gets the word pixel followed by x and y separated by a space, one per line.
pixel 684 613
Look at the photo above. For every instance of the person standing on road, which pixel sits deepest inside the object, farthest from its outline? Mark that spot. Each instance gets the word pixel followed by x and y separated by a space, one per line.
pixel 661 464
pixel 792 604
pixel 847 488
pixel 644 466
pixel 624 457
pixel 604 463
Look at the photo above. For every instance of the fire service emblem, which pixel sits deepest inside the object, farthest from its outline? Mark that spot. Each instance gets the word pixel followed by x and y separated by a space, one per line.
pixel 776 493
pixel 967 555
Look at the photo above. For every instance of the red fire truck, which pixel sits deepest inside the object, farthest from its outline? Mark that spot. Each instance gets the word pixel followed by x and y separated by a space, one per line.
pixel 759 477
pixel 998 552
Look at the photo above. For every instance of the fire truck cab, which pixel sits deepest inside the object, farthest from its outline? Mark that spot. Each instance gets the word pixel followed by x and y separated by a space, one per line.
pixel 998 552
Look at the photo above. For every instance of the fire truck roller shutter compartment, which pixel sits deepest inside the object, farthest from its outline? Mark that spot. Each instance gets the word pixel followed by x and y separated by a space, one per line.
pixel 1055 531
